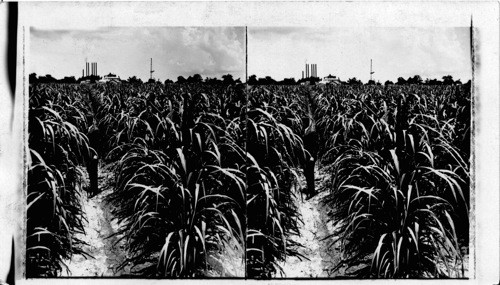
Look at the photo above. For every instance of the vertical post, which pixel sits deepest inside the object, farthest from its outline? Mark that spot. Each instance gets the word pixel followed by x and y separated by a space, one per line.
pixel 246 53
pixel 94 181
pixel 371 72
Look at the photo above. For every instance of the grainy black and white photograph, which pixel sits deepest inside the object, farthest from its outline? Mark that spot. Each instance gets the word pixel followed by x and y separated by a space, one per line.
pixel 363 141
pixel 271 142
pixel 136 152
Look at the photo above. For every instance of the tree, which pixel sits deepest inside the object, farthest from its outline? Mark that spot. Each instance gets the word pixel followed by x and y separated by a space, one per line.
pixel 47 79
pixel 252 80
pixel 433 82
pixel 289 81
pixel 33 78
pixel 414 80
pixel 388 82
pixel 214 80
pixel 270 80
pixel 168 81
pixel 195 79
pixel 227 79
pixel 448 80
pixel 371 82
pixel 354 81
pixel 401 81
pixel 68 79
pixel 134 80
pixel 181 79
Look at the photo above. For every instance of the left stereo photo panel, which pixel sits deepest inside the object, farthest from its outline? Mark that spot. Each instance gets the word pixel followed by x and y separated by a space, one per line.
pixel 136 163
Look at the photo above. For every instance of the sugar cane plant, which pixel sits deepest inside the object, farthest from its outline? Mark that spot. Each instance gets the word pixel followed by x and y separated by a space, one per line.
pixel 399 184
pixel 180 185
pixel 57 147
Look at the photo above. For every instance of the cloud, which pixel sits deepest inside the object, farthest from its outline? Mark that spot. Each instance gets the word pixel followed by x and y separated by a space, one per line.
pixel 209 51
pixel 346 52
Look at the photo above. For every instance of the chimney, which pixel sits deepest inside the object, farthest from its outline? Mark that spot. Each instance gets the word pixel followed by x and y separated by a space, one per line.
pixel 302 74
pixel 83 73
pixel 96 68
pixel 86 69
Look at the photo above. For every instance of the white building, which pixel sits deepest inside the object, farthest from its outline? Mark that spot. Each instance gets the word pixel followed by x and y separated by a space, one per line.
pixel 110 78
pixel 330 79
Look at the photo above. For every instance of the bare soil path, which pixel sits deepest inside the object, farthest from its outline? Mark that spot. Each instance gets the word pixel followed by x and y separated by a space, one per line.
pixel 316 226
pixel 107 255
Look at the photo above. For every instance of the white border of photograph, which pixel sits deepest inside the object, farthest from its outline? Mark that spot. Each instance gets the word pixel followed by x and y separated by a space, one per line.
pixel 484 259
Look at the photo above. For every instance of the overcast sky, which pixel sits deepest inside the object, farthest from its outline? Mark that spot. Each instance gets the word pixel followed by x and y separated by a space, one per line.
pixel 209 51
pixel 282 52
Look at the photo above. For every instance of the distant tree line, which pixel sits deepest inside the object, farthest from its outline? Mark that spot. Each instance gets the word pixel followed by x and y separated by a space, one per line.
pixel 226 79
pixel 33 78
pixel 417 79
pixel 252 80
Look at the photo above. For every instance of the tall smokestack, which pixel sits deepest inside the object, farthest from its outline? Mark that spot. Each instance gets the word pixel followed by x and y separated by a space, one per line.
pixel 83 73
pixel 302 74
pixel 96 69
pixel 86 69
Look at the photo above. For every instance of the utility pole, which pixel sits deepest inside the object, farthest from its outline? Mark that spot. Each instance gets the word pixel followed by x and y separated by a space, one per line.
pixel 371 71
pixel 151 70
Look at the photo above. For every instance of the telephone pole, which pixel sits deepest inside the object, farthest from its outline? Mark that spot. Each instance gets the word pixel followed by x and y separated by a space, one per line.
pixel 151 70
pixel 371 70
